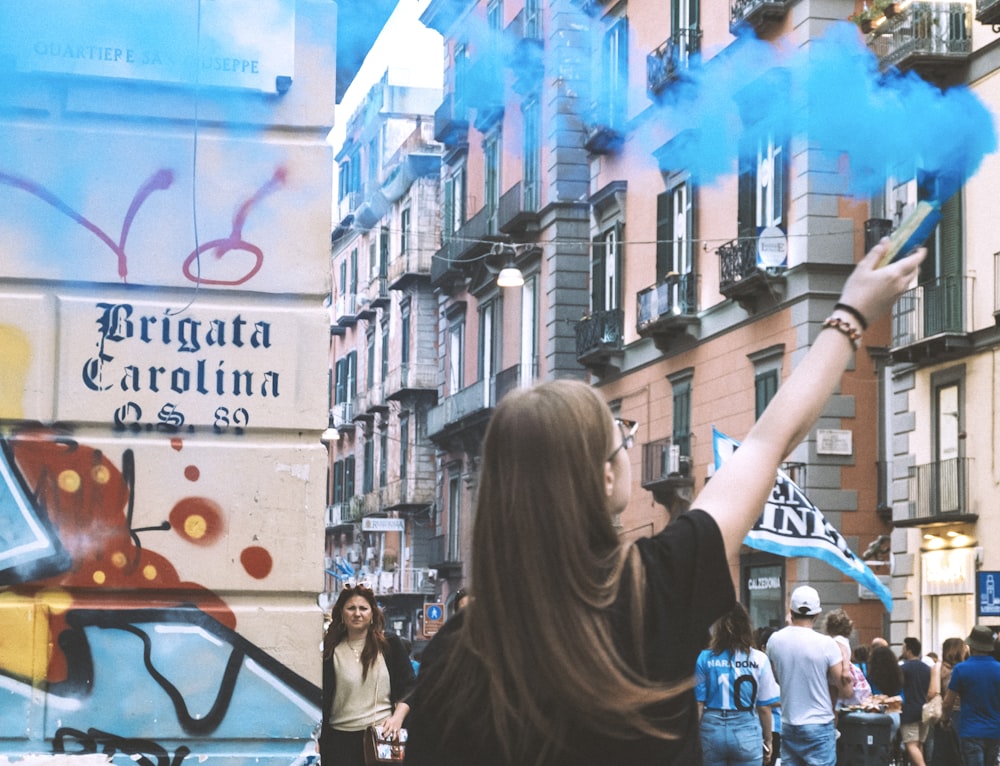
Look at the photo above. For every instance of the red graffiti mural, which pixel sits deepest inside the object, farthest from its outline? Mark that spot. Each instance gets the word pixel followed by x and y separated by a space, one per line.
pixel 162 180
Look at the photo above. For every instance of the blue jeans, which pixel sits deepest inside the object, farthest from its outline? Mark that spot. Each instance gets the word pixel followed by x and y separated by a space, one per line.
pixel 731 738
pixel 979 751
pixel 812 744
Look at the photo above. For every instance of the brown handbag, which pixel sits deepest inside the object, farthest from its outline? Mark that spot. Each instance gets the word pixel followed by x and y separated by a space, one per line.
pixel 380 750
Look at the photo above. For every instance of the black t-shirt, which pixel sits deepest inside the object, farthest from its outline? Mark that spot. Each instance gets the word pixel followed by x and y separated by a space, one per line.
pixel 688 587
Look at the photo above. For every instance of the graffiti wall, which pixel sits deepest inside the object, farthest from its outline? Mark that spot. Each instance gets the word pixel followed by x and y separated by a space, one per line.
pixel 164 253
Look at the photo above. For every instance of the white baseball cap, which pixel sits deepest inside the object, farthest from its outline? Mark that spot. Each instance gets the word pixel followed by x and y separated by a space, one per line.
pixel 805 601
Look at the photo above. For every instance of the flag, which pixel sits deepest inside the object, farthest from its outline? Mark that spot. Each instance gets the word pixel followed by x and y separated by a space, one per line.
pixel 791 525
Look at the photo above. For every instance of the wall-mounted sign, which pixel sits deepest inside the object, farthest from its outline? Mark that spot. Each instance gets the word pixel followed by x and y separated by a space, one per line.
pixel 988 594
pixel 383 525
pixel 772 248
pixel 948 572
pixel 224 43
pixel 834 441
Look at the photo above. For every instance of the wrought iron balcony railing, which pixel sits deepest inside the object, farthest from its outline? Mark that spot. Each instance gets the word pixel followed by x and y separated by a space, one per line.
pixel 933 320
pixel 599 334
pixel 756 12
pixel 667 63
pixel 939 492
pixel 925 36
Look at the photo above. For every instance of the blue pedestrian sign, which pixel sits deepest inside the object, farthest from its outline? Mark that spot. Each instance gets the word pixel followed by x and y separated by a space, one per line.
pixel 433 618
pixel 988 594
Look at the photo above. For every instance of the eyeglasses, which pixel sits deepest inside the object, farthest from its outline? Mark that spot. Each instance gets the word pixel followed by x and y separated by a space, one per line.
pixel 628 429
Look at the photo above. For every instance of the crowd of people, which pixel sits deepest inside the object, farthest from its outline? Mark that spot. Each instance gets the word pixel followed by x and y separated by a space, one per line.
pixel 575 648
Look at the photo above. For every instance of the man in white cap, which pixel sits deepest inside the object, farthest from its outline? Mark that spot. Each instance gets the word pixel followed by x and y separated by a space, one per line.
pixel 807 665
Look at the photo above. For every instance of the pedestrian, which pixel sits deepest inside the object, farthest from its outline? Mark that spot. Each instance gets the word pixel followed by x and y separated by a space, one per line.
pixel 886 678
pixel 735 689
pixel 839 627
pixel 808 664
pixel 916 691
pixel 459 601
pixel 578 648
pixel 946 750
pixel 977 681
pixel 761 637
pixel 366 675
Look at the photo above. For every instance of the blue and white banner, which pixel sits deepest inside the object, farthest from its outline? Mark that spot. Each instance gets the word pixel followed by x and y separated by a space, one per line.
pixel 790 525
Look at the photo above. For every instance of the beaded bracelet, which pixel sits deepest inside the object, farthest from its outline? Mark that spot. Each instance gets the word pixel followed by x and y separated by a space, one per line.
pixel 849 331
pixel 848 309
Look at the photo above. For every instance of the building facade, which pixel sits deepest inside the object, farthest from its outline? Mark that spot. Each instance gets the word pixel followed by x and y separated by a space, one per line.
pixel 686 291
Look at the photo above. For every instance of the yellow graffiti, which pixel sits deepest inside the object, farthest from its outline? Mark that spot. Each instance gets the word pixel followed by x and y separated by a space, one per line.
pixel 69 480
pixel 195 526
pixel 24 632
pixel 15 358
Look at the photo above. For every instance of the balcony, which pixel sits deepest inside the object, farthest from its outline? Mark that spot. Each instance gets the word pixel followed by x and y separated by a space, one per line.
pixel 514 216
pixel 407 267
pixel 375 402
pixel 452 264
pixel 988 12
pixel 668 62
pixel 939 494
pixel 409 495
pixel 445 557
pixel 403 581
pixel 599 344
pixel 346 512
pixel 744 280
pixel 667 474
pixel 756 13
pixel 342 416
pixel 410 380
pixel 930 38
pixel 466 412
pixel 378 292
pixel 669 310
pixel 345 310
pixel 451 121
pixel 932 322
pixel 487 97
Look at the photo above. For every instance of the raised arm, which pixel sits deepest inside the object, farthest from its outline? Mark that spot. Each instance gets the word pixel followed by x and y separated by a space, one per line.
pixel 736 494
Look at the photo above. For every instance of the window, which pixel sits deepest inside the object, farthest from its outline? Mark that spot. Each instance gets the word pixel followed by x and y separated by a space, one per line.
pixel 456 357
pixel 766 375
pixel 385 350
pixel 461 78
pixel 404 444
pixel 491 194
pixel 674 235
pixel 404 333
pixel 762 188
pixel 353 273
pixel 941 271
pixel 370 343
pixel 531 110
pixel 368 478
pixel 529 330
pixel 494 15
pixel 404 231
pixel 948 480
pixel 346 387
pixel 348 477
pixel 383 253
pixel 684 20
pixel 765 386
pixel 338 482
pixel 454 516
pixel 383 457
pixel 373 162
pixel 681 429
pixel 533 19
pixel 613 79
pixel 454 200
pixel 605 268
pixel 489 340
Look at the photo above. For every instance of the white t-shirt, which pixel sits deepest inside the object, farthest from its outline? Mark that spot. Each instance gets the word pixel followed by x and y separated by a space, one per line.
pixel 801 658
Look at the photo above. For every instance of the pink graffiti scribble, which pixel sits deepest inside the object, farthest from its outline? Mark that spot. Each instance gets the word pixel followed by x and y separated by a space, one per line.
pixel 161 180
pixel 235 239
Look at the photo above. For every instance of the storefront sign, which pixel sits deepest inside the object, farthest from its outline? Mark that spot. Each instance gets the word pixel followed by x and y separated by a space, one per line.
pixel 948 572
pixel 988 594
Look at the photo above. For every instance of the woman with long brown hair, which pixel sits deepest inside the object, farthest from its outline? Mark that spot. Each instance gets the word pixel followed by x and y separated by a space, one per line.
pixel 366 675
pixel 578 649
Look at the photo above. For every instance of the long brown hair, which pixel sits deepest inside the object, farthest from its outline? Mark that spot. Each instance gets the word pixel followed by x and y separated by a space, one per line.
pixel 336 631
pixel 732 632
pixel 953 651
pixel 535 652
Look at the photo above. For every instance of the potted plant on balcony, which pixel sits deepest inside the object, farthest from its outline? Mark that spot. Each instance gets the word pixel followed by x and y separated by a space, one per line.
pixel 871 14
